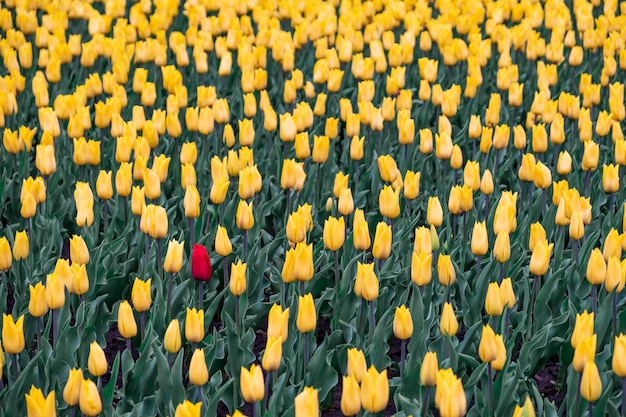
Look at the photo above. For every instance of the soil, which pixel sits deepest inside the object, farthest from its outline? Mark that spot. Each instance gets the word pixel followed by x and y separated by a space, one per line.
pixel 547 380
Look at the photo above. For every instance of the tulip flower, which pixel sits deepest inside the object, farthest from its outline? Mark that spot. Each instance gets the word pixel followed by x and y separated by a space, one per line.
pixel 97 362
pixel 171 340
pixel 585 352
pixel 71 392
pixel 6 258
pixel 428 372
pixel 306 403
pixel 201 269
pixel 421 268
pixel 278 322
pixel 20 246
pixel 448 324
pixel 445 270
pixel 402 329
pixel 78 250
pixel 189 409
pixel 493 301
pixel 126 323
pixel 251 383
pixel 434 212
pixel 140 295
pixel 540 258
pixel 382 241
pixel 502 249
pixel 39 406
pixel 350 396
pixel 374 390
pixel 198 371
pixel 37 306
pixel 273 353
pixel 89 398
pixel 194 325
pixel 596 273
pixel 591 384
pixel 361 238
pixel 223 247
pixel 238 278
pixel 449 394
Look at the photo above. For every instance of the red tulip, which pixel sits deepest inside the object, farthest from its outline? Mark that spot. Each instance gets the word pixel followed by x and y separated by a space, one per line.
pixel 200 263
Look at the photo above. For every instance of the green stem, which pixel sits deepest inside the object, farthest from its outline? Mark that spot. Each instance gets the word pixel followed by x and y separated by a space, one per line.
pixel 192 233
pixel 425 405
pixel 402 357
pixel 577 400
pixel 237 314
pixel 201 295
pixel 142 319
pixel 594 298
pixel 306 352
pixel 160 257
pixel 490 382
pixel 623 397
pixel 372 321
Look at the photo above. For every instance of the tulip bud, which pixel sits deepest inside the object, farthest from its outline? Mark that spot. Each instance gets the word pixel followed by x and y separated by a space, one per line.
pixel 493 301
pixel 140 295
pixel 382 241
pixel 585 352
pixel 583 328
pixel 357 367
pixel 388 202
pixel 198 372
pixel 238 278
pixel 12 334
pixel 480 243
pixel 445 270
pixel 20 246
pixel 278 322
pixel 540 258
pixel 173 262
pixel 306 403
pixel 591 384
pixel 97 363
pixel 126 323
pixel 37 306
pixel 488 348
pixel 434 212
pixel 6 258
pixel 244 217
pixel 502 247
pixel 273 354
pixel 596 268
pixel 89 398
pixel 448 324
pixel 428 371
pixel 307 318
pixel 374 390
pixel 402 323
pixel 619 352
pixel 350 396
pixel 71 392
pixel 55 292
pixel 78 250
pixel 38 405
pixel 334 233
pixel 251 384
pixel 172 340
pixel 194 325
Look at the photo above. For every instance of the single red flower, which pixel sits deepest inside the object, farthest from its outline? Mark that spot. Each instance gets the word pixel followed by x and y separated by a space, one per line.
pixel 201 268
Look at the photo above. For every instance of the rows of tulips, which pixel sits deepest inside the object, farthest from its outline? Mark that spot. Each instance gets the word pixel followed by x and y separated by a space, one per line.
pixel 215 208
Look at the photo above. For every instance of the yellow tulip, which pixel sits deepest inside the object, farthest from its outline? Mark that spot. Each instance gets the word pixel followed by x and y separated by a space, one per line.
pixel 278 322
pixel 591 384
pixel 238 278
pixel 273 354
pixel 251 384
pixel 388 202
pixel 89 398
pixel 306 403
pixel 540 258
pixel 374 390
pixel 445 270
pixel 479 243
pixel 12 334
pixel 198 371
pixel 307 318
pixel 71 392
pixel 585 352
pixel 55 292
pixel 172 340
pixel 488 347
pixel 596 268
pixel 20 246
pixel 79 253
pixel 223 246
pixel 350 396
pixel 173 262
pixel 448 324
pixel 334 233
pixel 245 216
pixel 97 363
pixel 37 306
pixel 194 325
pixel 39 406
pixel 428 371
pixel 140 295
pixel 402 323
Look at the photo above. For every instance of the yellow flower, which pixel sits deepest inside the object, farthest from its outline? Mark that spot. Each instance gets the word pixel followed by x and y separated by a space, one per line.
pixel 140 295
pixel 350 396
pixel 97 363
pixel 251 384
pixel 445 270
pixel 402 323
pixel 194 325
pixel 540 258
pixel 334 233
pixel 71 392
pixel 307 318
pixel 488 347
pixel 39 406
pixel 591 384
pixel 198 371
pixel 273 353
pixel 238 278
pixel 89 398
pixel 172 340
pixel 306 403
pixel 126 320
pixel 374 390
pixel 448 324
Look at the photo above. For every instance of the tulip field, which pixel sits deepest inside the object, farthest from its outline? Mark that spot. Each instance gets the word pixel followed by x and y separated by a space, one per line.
pixel 312 208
